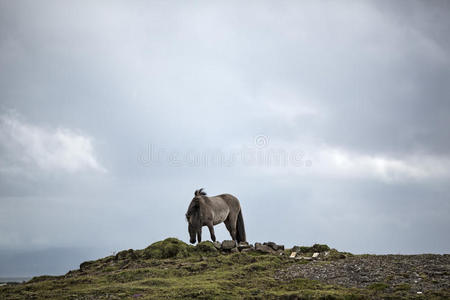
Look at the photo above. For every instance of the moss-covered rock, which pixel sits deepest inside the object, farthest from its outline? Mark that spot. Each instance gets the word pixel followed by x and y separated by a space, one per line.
pixel 126 254
pixel 312 249
pixel 168 248
pixel 206 247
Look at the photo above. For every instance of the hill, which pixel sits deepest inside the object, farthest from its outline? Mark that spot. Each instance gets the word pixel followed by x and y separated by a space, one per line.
pixel 171 269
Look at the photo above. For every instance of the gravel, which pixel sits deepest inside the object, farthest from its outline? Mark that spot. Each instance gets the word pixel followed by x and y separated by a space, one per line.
pixel 414 273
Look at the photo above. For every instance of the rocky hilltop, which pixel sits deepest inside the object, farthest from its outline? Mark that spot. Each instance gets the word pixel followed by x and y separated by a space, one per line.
pixel 172 269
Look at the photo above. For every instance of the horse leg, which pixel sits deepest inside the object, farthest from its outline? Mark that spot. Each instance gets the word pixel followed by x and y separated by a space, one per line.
pixel 199 235
pixel 211 231
pixel 231 226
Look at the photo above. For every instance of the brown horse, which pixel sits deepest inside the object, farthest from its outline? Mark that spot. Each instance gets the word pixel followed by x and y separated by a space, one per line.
pixel 210 211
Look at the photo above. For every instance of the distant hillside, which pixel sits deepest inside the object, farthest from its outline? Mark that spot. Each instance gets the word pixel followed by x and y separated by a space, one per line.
pixel 171 269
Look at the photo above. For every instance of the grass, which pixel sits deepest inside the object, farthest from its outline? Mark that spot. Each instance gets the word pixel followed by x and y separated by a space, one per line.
pixel 171 269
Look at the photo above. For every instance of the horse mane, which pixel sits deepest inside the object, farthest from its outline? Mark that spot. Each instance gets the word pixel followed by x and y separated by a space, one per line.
pixel 200 192
pixel 194 206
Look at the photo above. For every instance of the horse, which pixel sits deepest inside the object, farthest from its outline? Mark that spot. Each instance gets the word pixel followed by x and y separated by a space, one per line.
pixel 210 211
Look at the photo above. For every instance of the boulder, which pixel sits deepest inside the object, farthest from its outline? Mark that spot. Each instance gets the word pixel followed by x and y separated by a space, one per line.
pixel 274 246
pixel 243 245
pixel 248 249
pixel 228 245
pixel 270 244
pixel 170 247
pixel 314 248
pixel 304 258
pixel 296 249
pixel 263 248
pixel 206 247
pixel 217 245
pixel 126 254
pixel 85 265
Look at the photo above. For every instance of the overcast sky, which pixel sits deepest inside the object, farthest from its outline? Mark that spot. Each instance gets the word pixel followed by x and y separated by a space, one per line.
pixel 328 120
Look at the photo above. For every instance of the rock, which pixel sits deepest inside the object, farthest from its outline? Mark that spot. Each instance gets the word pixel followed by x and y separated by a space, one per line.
pixel 319 248
pixel 217 245
pixel 263 248
pixel 270 244
pixel 85 265
pixel 304 258
pixel 315 255
pixel 243 245
pixel 228 245
pixel 296 249
pixel 274 246
pixel 125 254
pixel 234 250
pixel 248 250
pixel 293 254
pixel 206 247
pixel 168 248
pixel 314 248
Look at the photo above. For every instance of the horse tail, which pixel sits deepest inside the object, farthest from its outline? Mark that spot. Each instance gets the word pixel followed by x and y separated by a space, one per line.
pixel 240 229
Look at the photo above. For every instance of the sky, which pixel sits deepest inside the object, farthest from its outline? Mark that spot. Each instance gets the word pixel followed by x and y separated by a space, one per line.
pixel 328 120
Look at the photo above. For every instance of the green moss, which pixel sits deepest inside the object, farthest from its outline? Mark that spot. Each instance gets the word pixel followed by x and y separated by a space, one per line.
pixel 168 248
pixel 314 248
pixel 402 287
pixel 171 269
pixel 378 286
pixel 206 247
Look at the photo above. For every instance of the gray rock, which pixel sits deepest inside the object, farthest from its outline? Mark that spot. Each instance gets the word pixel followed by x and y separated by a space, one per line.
pixel 274 246
pixel 296 249
pixel 217 245
pixel 279 247
pixel 263 248
pixel 228 245
pixel 248 249
pixel 126 254
pixel 243 245
pixel 270 244
pixel 304 257
pixel 85 265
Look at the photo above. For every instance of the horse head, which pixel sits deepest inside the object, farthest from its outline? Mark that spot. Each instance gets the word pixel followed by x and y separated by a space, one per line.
pixel 193 217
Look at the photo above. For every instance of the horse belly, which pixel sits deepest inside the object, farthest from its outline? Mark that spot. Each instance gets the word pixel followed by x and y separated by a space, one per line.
pixel 219 217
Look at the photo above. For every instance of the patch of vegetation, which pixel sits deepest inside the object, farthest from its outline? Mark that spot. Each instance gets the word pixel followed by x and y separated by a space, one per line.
pixel 378 286
pixel 169 248
pixel 315 248
pixel 206 247
pixel 171 269
pixel 402 287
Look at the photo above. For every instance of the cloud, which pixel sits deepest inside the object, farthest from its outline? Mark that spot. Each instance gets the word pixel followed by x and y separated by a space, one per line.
pixel 344 163
pixel 26 145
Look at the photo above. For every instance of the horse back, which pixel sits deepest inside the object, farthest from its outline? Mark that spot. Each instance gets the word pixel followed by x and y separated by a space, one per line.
pixel 231 201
